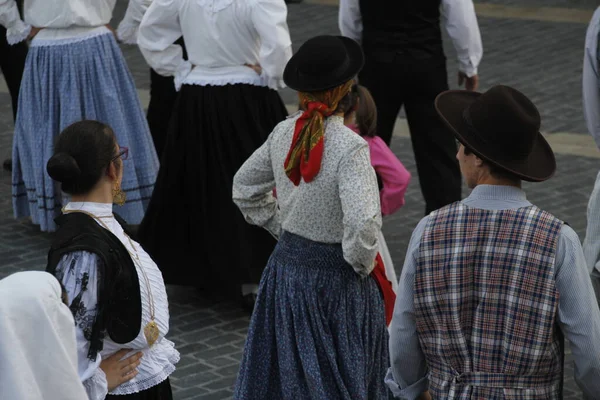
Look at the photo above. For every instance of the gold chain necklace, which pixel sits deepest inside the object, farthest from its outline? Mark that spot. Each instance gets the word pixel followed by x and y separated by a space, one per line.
pixel 151 331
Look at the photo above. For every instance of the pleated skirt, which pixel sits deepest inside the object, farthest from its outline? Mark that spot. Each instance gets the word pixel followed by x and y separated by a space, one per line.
pixel 66 81
pixel 192 229
pixel 318 329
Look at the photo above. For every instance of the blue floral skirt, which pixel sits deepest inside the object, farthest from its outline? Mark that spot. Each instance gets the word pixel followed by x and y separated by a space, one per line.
pixel 318 329
pixel 66 81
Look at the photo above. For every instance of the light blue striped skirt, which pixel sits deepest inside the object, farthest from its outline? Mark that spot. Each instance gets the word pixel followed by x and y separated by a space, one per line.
pixel 68 81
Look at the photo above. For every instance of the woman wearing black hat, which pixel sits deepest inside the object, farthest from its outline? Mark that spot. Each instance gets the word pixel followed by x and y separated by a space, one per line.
pixel 318 329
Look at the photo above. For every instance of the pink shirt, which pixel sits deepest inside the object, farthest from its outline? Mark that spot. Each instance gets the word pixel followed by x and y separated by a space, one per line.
pixel 394 175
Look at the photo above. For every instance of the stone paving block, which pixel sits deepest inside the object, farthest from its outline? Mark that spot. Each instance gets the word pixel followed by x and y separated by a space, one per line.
pixel 191 393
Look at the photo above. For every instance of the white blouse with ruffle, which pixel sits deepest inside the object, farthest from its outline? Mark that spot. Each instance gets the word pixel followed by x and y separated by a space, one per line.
pixel 78 273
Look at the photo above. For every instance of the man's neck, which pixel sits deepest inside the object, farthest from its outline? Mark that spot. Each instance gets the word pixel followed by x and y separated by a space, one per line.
pixel 490 180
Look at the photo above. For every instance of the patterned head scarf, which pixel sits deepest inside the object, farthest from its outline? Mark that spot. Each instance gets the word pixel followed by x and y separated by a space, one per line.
pixel 304 158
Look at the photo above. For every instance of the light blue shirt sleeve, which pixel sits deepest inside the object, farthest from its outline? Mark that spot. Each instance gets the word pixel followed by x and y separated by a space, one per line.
pixel 407 375
pixel 578 313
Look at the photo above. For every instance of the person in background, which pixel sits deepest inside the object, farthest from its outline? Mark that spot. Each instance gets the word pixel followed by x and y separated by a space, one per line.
pixel 162 88
pixel 591 111
pixel 74 70
pixel 12 63
pixel 318 329
pixel 38 351
pixel 393 178
pixel 492 283
pixel 228 103
pixel 406 66
pixel 116 292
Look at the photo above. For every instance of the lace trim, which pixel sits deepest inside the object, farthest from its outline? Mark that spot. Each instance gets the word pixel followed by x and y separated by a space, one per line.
pixel 128 33
pixel 214 6
pixel 77 39
pixel 258 81
pixel 18 33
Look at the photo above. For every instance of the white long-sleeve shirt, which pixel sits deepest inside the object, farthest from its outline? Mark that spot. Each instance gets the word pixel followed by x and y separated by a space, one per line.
pixel 220 36
pixel 64 18
pixel 458 17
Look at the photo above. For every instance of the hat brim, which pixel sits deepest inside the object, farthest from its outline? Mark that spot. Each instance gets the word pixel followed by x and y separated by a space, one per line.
pixel 539 166
pixel 294 80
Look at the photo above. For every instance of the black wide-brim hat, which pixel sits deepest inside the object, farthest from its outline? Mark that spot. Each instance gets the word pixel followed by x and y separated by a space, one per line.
pixel 322 63
pixel 501 126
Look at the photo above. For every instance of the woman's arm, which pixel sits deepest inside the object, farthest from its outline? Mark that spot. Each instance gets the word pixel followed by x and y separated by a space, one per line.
pixel 270 21
pixel 16 29
pixel 362 213
pixel 159 30
pixel 253 186
pixel 127 31
pixel 394 175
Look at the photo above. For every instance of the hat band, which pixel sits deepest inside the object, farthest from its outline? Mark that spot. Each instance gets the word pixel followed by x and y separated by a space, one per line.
pixel 333 73
pixel 502 149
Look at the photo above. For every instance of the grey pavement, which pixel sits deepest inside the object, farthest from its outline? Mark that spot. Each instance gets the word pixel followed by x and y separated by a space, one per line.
pixel 543 59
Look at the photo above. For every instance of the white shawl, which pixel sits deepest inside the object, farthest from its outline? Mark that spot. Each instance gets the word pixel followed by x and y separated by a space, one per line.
pixel 38 354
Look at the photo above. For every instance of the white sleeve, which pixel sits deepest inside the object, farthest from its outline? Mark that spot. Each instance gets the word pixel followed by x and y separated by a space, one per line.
pixel 461 24
pixel 361 208
pixel 269 18
pixel 16 29
pixel 78 272
pixel 159 29
pixel 591 79
pixel 350 19
pixel 129 26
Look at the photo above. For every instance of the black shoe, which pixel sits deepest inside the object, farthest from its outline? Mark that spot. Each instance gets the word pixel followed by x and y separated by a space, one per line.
pixel 248 302
pixel 7 165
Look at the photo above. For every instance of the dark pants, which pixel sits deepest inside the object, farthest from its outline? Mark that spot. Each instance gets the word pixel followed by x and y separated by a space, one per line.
pixel 162 101
pixel 12 63
pixel 403 80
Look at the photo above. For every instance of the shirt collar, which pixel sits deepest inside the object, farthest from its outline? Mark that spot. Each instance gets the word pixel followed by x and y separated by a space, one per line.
pixel 97 209
pixel 497 192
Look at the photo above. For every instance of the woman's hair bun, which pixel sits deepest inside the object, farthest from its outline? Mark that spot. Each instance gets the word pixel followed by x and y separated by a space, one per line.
pixel 63 168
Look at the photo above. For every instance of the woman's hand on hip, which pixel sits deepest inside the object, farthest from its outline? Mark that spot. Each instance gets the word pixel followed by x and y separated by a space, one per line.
pixel 34 31
pixel 119 371
pixel 256 67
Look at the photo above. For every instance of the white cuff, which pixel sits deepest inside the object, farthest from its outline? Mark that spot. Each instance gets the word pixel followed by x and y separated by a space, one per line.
pixel 19 32
pixel 183 70
pixel 128 32
pixel 96 386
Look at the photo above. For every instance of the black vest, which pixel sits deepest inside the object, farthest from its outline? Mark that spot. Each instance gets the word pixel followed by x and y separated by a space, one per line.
pixel 402 26
pixel 119 309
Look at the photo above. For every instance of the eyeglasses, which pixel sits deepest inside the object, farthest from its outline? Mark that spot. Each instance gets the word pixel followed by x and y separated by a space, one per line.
pixel 123 153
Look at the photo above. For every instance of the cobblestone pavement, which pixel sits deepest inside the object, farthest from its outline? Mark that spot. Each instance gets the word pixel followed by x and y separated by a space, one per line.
pixel 541 58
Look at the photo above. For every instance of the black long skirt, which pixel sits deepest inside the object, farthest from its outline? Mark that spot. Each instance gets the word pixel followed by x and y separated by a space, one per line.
pixel 192 228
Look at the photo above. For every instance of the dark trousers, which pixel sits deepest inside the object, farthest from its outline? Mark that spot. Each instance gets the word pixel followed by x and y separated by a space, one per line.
pixel 162 101
pixel 12 63
pixel 397 80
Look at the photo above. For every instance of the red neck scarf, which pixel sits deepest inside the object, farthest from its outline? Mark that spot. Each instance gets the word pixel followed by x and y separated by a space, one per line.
pixel 306 152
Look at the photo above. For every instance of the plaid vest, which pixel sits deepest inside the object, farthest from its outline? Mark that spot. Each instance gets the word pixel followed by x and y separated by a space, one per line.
pixel 486 303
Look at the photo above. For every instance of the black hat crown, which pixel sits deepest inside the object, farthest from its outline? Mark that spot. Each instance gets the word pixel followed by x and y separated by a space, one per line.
pixel 505 119
pixel 322 63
